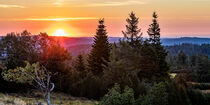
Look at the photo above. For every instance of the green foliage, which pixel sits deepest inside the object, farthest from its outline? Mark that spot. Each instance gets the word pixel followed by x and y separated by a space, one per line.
pixel 123 70
pixel 32 74
pixel 182 59
pixel 201 86
pixel 154 38
pixel 157 96
pixel 128 55
pixel 90 86
pixel 116 73
pixel 202 69
pixel 194 67
pixel 25 74
pixel 189 49
pixel 41 48
pixel 19 47
pixel 153 55
pixel 99 55
pixel 116 97
pixel 52 55
pixel 80 64
pixel 94 85
pixel 198 98
pixel 177 93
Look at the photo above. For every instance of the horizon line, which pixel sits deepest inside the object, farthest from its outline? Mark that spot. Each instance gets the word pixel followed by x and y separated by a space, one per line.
pixel 121 37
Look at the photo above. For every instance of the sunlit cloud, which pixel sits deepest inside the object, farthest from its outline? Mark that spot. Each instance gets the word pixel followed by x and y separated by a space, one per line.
pixel 114 3
pixel 10 6
pixel 54 19
pixel 58 3
pixel 200 0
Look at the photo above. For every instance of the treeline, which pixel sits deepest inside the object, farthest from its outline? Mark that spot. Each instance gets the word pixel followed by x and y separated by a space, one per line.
pixel 189 49
pixel 135 68
pixel 17 48
pixel 194 67
pixel 192 60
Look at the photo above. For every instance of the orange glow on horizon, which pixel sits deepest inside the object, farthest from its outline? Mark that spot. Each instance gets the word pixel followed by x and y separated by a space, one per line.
pixel 61 28
pixel 60 32
pixel 59 19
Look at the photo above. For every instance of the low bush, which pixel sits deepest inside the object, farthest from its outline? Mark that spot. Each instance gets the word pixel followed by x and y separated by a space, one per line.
pixel 201 86
pixel 117 97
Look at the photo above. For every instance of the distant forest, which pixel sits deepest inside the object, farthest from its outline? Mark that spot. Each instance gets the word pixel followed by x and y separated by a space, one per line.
pixel 189 49
pixel 173 50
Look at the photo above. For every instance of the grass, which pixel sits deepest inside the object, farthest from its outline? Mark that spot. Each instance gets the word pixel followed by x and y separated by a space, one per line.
pixel 56 99
pixel 203 87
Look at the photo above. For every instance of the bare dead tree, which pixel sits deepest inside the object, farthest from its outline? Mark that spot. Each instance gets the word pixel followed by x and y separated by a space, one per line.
pixel 33 74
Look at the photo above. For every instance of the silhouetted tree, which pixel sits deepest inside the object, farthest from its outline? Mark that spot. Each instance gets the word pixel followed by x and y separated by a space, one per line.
pixel 18 47
pixel 157 96
pixel 182 58
pixel 80 66
pixel 193 60
pixel 55 58
pixel 154 30
pixel 99 55
pixel 133 34
pixel 202 69
pixel 160 53
pixel 79 63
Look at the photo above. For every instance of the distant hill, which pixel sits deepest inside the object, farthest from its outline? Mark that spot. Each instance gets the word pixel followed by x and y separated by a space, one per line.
pixel 69 41
pixel 191 40
pixel 75 45
pixel 189 49
pixel 83 44
pixel 72 41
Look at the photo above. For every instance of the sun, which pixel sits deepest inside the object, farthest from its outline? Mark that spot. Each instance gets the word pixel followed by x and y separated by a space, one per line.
pixel 60 32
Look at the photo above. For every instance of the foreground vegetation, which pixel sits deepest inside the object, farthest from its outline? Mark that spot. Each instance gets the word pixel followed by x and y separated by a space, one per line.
pixel 57 99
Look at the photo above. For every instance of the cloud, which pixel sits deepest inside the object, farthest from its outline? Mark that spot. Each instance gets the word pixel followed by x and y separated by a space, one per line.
pixel 200 0
pixel 58 3
pixel 10 6
pixel 51 19
pixel 113 3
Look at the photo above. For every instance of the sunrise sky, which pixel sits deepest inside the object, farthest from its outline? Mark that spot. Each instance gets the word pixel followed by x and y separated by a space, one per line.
pixel 77 18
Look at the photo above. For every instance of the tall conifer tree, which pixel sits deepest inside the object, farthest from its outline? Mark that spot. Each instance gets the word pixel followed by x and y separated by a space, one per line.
pixel 99 55
pixel 133 34
pixel 80 64
pixel 154 30
pixel 160 53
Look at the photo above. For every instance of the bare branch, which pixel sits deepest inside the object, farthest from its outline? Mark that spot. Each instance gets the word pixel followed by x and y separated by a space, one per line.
pixel 53 86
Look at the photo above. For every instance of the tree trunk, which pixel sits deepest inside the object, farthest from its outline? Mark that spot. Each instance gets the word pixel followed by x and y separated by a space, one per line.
pixel 48 98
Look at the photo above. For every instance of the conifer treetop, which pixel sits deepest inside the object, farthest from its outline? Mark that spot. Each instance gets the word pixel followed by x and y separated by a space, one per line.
pixel 154 30
pixel 133 34
pixel 99 55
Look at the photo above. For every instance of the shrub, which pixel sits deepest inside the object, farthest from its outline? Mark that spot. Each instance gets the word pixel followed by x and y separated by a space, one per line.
pixel 157 96
pixel 201 86
pixel 198 98
pixel 116 97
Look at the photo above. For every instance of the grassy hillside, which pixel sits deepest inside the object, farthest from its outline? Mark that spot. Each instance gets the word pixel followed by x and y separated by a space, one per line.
pixel 56 98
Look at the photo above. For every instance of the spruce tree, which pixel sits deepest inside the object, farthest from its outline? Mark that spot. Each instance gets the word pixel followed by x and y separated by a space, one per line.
pixel 99 55
pixel 79 63
pixel 154 30
pixel 182 59
pixel 160 53
pixel 133 34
